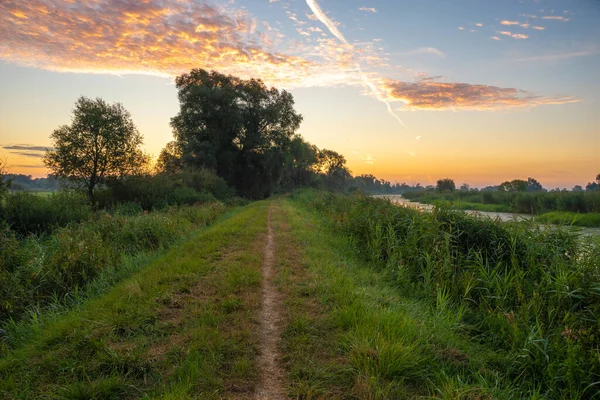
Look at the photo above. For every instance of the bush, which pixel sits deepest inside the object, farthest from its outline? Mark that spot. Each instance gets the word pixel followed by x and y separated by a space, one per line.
pixel 28 213
pixel 35 271
pixel 153 192
pixel 204 180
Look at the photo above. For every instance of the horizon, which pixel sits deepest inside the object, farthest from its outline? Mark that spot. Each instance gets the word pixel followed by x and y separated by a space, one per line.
pixel 479 92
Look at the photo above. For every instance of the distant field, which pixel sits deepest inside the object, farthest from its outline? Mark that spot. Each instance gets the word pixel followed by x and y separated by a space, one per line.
pixel 43 193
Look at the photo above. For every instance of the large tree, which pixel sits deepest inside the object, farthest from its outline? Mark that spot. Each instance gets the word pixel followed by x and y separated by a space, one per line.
pixel 101 143
pixel 238 128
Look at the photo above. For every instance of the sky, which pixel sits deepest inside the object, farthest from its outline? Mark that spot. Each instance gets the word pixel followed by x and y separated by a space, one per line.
pixel 481 91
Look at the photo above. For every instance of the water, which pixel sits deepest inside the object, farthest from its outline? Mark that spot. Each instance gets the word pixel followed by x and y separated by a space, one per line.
pixel 401 201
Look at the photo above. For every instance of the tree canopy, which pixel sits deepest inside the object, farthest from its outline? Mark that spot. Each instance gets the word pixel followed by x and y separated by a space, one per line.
pixel 102 142
pixel 520 185
pixel 238 128
pixel 446 185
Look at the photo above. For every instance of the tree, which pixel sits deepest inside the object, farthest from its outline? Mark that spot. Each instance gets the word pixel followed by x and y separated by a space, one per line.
pixel 238 128
pixel 516 185
pixel 465 187
pixel 533 185
pixel 577 188
pixel 101 143
pixel 4 180
pixel 446 185
pixel 169 159
pixel 333 167
pixel 299 163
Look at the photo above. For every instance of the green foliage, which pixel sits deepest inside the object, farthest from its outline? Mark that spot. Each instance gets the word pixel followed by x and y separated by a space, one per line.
pixel 4 184
pixel 519 202
pixel 186 187
pixel 37 271
pixel 591 220
pixel 528 291
pixel 446 185
pixel 170 330
pixel 238 128
pixel 27 213
pixel 102 142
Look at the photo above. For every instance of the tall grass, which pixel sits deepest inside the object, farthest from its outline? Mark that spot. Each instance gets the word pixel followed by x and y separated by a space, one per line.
pixel 532 293
pixel 38 270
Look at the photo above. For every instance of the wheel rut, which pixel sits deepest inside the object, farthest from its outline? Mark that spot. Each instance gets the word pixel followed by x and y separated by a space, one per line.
pixel 271 386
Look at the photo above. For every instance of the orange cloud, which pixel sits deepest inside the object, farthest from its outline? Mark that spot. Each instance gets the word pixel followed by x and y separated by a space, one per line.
pixel 169 37
pixel 438 96
pixel 162 37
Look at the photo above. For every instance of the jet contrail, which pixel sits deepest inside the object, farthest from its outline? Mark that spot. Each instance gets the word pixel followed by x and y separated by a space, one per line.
pixel 321 16
pixel 325 20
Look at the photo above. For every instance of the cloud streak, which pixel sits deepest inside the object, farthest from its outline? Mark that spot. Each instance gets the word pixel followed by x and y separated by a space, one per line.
pixel 316 9
pixel 557 57
pixel 424 50
pixel 440 96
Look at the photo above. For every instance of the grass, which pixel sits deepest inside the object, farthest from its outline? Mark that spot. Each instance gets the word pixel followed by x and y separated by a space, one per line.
pixel 381 302
pixel 183 327
pixel 36 272
pixel 351 334
pixel 517 202
pixel 527 295
pixel 591 220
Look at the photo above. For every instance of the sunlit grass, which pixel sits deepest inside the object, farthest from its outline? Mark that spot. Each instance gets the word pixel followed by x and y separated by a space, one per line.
pixel 181 327
pixel 529 294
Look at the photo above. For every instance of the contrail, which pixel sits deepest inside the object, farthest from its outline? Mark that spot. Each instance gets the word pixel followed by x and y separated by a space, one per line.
pixel 316 9
pixel 325 20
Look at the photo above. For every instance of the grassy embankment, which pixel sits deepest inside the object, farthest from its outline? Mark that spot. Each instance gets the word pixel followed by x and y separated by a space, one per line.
pixel 381 302
pixel 182 327
pixel 451 306
pixel 560 208
pixel 54 267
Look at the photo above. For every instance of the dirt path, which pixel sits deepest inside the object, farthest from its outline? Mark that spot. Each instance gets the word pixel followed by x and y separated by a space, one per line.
pixel 271 374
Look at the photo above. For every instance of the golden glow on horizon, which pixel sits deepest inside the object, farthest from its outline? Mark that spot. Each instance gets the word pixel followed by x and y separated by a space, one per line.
pixel 167 37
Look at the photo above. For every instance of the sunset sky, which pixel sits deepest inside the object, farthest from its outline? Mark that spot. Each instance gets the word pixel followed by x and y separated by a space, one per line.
pixel 481 91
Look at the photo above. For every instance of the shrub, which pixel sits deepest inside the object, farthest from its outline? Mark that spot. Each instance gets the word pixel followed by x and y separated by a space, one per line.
pixel 28 213
pixel 37 270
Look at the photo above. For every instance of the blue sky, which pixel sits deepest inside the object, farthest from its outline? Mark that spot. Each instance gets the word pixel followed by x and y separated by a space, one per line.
pixel 478 90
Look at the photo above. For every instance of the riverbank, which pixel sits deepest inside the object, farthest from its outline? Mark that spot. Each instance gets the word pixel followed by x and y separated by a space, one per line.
pixel 590 223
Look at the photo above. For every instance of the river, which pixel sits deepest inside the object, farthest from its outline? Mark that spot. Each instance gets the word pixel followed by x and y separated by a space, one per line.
pixel 401 201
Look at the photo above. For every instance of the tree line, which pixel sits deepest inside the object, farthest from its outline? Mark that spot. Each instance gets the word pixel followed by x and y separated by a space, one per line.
pixel 516 185
pixel 240 130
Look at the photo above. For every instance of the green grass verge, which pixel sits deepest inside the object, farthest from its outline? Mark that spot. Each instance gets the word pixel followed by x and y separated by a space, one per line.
pixel 465 205
pixel 184 327
pixel 351 334
pixel 590 220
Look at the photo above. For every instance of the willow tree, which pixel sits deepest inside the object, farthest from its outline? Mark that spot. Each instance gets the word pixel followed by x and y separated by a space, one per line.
pixel 101 143
pixel 240 129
